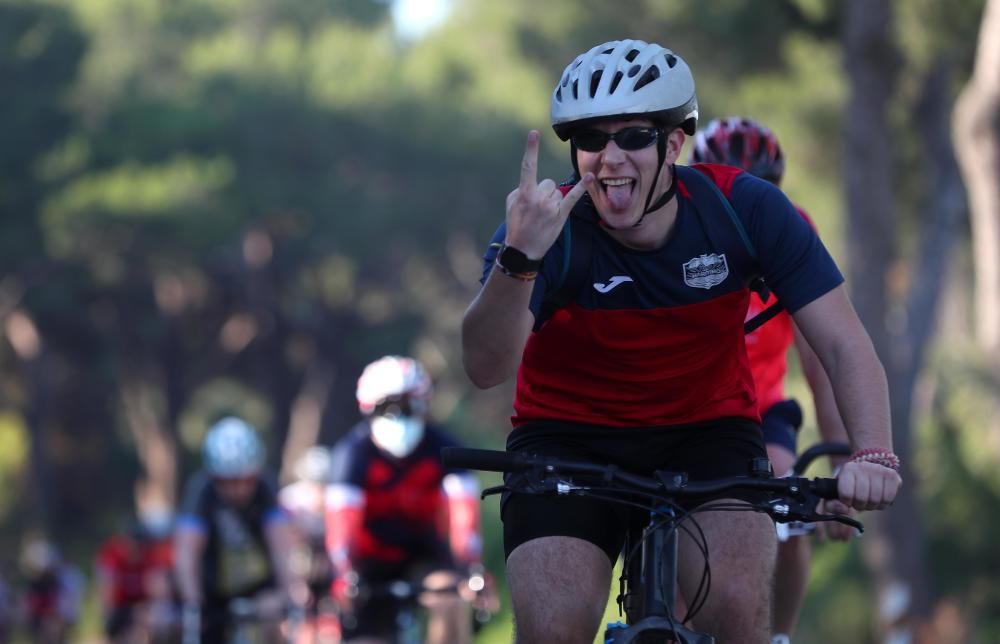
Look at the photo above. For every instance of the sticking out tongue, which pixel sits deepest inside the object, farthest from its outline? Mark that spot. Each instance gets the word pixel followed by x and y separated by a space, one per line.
pixel 620 196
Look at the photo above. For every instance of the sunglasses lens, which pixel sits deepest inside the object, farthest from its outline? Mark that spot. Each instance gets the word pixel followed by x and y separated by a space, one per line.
pixel 635 138
pixel 591 140
pixel 630 138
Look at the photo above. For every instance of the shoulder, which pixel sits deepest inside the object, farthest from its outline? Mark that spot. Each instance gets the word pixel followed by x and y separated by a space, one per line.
pixel 197 491
pixel 722 176
pixel 805 215
pixel 351 452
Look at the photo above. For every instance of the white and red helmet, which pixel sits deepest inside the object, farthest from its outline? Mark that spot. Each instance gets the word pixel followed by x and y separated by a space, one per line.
pixel 392 378
pixel 741 142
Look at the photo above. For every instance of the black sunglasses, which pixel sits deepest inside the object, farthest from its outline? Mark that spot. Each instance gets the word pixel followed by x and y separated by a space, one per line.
pixel 628 138
pixel 397 407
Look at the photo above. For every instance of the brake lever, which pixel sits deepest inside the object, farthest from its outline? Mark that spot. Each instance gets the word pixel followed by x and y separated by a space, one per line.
pixel 496 489
pixel 841 518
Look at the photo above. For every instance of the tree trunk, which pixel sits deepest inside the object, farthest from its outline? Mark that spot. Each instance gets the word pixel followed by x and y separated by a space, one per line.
pixel 306 417
pixel 27 343
pixel 901 324
pixel 155 447
pixel 977 145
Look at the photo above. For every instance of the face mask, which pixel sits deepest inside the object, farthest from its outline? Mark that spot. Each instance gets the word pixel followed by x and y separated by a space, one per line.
pixel 397 435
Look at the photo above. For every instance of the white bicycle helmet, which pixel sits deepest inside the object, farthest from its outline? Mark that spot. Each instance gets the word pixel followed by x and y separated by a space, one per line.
pixel 232 449
pixel 392 377
pixel 625 78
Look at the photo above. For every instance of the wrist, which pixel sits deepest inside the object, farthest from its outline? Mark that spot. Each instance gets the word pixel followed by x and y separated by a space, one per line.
pixel 878 455
pixel 516 260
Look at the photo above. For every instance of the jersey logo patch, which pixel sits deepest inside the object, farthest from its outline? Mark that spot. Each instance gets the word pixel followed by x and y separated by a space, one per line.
pixel 706 271
pixel 613 282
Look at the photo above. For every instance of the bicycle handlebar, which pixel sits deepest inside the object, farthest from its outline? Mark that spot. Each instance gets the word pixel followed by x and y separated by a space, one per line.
pixel 820 449
pixel 675 485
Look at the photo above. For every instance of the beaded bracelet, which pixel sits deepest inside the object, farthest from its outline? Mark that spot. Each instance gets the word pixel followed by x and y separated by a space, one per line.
pixel 877 455
pixel 524 277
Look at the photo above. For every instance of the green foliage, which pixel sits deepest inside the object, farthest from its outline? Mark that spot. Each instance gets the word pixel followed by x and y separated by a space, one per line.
pixel 205 199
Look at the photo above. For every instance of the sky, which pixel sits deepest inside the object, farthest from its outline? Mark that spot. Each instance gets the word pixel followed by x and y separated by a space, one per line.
pixel 414 18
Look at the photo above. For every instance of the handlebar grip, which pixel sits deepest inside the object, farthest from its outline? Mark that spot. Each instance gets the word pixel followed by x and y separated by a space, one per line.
pixel 825 488
pixel 482 459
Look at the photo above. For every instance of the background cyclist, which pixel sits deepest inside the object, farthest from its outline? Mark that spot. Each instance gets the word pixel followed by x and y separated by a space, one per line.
pixel 135 582
pixel 648 368
pixel 748 144
pixel 305 502
pixel 394 513
pixel 232 539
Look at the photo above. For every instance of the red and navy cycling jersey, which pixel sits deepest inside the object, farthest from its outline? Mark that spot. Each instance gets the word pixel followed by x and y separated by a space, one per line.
pixel 405 508
pixel 767 348
pixel 655 338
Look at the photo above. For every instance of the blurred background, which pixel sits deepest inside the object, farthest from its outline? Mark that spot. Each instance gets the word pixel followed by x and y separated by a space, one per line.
pixel 212 206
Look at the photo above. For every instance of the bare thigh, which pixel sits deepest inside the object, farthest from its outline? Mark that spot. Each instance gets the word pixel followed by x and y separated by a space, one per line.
pixel 558 589
pixel 742 547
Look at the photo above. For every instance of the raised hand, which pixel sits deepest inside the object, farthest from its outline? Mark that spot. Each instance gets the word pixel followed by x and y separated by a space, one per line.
pixel 536 211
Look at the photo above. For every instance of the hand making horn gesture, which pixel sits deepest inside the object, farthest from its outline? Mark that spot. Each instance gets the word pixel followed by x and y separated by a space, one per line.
pixel 536 211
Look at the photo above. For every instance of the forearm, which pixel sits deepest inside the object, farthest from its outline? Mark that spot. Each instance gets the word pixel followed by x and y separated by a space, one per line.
pixel 495 329
pixel 831 425
pixel 856 375
pixel 187 568
pixel 280 541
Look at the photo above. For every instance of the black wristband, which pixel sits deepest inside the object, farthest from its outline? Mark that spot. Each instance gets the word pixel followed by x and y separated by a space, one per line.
pixel 514 261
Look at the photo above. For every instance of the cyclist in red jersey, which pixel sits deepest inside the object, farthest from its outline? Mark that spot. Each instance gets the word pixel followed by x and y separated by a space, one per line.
pixel 646 367
pixel 747 144
pixel 53 596
pixel 134 568
pixel 395 513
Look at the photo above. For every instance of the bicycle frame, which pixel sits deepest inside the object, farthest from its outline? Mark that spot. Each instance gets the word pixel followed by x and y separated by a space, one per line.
pixel 652 589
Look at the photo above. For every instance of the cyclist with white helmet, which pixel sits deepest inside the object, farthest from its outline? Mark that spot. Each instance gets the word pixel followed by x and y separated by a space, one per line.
pixel 644 365
pixel 395 513
pixel 232 540
pixel 748 144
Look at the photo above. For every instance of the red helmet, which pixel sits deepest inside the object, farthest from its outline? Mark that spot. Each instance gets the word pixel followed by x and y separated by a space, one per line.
pixel 740 142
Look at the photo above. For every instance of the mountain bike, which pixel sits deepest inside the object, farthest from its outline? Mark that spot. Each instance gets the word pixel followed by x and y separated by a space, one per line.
pixel 648 582
pixel 404 596
pixel 245 623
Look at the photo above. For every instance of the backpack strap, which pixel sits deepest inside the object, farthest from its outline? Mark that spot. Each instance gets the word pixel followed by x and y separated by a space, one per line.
pixel 728 233
pixel 578 244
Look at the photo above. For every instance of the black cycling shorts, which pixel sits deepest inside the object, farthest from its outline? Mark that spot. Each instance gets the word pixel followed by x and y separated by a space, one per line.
pixel 780 424
pixel 704 451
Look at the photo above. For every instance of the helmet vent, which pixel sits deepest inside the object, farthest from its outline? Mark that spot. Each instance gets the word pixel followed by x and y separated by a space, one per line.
pixel 651 75
pixel 633 70
pixel 609 50
pixel 632 55
pixel 576 93
pixel 671 60
pixel 559 94
pixel 614 81
pixel 595 80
